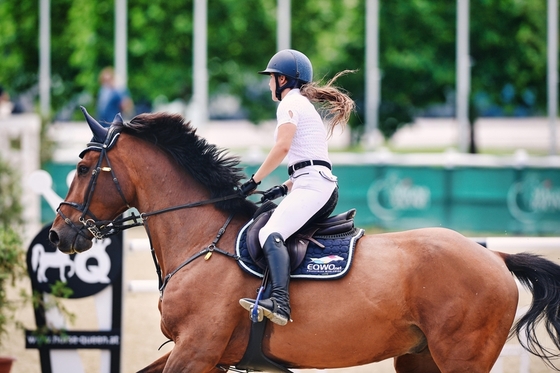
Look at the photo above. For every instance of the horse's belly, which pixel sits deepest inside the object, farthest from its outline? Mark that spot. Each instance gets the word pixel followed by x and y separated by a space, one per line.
pixel 356 320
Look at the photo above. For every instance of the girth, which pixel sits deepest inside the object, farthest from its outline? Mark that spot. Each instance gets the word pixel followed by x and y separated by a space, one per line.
pixel 298 242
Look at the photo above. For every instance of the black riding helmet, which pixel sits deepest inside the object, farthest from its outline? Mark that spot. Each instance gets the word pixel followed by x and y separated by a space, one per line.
pixel 294 65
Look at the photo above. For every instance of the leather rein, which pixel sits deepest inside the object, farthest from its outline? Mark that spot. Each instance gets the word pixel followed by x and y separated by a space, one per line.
pixel 101 229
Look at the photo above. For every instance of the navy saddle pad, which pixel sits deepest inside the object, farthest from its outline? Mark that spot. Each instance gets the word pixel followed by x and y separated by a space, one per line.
pixel 321 264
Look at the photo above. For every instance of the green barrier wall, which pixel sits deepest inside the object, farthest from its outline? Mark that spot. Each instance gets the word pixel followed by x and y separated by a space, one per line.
pixel 475 200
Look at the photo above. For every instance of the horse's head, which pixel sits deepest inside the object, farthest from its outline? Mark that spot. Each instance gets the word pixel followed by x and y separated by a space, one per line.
pixel 95 196
pixel 177 166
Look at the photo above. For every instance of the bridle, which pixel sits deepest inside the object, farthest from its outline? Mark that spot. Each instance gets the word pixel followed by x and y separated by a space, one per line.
pixel 101 229
pixel 98 228
pixel 104 228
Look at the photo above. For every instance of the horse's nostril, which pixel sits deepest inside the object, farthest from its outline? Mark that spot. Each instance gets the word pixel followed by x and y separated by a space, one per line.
pixel 53 237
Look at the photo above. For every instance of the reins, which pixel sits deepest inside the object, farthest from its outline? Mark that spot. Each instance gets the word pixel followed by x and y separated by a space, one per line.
pixel 105 228
pixel 101 229
pixel 208 250
pixel 116 225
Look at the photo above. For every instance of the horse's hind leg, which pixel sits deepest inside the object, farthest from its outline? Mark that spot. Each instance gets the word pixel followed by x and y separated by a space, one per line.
pixel 468 349
pixel 416 363
pixel 157 366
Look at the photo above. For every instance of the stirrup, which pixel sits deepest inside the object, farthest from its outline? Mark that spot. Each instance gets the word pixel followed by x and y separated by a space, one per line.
pixel 274 316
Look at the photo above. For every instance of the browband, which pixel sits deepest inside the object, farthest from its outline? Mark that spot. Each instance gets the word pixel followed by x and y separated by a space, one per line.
pixel 110 141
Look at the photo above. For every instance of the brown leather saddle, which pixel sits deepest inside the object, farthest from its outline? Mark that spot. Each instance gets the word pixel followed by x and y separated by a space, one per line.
pixel 298 242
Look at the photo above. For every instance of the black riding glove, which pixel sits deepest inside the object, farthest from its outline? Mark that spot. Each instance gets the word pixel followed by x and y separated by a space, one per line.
pixel 275 192
pixel 247 187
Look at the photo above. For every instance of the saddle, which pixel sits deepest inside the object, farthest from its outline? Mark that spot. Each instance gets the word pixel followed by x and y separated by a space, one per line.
pixel 297 244
pixel 338 229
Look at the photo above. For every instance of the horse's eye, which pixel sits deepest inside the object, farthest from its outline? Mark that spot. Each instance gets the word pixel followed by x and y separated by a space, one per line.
pixel 82 170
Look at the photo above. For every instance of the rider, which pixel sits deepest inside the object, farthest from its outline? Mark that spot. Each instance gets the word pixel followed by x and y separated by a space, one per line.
pixel 313 192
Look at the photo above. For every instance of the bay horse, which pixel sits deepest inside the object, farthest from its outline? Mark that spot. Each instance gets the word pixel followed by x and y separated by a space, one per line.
pixel 431 299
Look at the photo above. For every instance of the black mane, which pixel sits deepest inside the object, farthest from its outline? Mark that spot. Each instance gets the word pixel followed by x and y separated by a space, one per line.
pixel 211 166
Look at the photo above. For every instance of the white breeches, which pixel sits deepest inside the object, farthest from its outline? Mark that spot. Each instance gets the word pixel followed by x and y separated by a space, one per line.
pixel 312 187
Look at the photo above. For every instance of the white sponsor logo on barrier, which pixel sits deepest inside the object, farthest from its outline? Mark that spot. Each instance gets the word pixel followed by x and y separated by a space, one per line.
pixel 82 266
pixel 530 198
pixel 392 194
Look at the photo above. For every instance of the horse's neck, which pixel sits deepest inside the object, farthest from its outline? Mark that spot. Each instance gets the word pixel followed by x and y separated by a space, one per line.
pixel 183 232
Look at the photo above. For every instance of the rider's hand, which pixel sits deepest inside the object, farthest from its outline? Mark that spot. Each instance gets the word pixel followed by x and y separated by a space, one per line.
pixel 247 187
pixel 275 192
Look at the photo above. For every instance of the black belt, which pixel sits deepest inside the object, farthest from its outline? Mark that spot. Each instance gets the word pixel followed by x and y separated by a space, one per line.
pixel 303 164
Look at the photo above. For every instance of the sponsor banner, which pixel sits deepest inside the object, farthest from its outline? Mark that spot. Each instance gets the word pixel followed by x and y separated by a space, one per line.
pixel 473 199
pixel 86 273
pixel 95 273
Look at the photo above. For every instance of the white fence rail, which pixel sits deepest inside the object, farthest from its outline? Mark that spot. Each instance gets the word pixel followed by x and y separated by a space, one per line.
pixel 19 146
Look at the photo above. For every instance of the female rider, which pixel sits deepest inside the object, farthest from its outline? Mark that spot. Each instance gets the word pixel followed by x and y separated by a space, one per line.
pixel 312 191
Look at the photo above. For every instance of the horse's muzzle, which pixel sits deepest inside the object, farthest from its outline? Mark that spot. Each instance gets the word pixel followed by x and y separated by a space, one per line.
pixel 68 240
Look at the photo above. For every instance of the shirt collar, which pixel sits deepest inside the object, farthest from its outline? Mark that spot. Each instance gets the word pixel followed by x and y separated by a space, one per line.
pixel 294 91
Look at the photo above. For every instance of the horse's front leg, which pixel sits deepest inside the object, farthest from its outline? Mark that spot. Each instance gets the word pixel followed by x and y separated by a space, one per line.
pixel 178 364
pixel 157 366
pixel 184 360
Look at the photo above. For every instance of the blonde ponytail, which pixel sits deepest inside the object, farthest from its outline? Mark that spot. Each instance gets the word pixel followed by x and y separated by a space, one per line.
pixel 337 104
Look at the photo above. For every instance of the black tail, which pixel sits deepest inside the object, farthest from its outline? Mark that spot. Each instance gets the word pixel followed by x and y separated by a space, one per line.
pixel 542 278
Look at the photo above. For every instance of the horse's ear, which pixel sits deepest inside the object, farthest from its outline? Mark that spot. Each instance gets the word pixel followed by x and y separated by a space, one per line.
pixel 99 132
pixel 118 119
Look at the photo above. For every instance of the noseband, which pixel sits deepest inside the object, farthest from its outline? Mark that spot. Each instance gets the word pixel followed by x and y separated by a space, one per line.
pixel 98 228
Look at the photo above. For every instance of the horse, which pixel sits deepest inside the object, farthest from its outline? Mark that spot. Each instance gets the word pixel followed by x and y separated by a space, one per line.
pixel 431 298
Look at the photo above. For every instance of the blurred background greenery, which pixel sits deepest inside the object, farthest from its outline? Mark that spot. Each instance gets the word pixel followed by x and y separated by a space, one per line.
pixel 417 54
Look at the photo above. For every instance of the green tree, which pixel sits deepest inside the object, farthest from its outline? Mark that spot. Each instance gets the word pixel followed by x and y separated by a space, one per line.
pixel 508 49
pixel 332 34
pixel 18 45
pixel 417 59
pixel 417 51
pixel 12 255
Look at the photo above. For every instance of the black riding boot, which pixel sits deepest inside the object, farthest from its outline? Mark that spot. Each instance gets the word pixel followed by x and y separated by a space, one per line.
pixel 277 307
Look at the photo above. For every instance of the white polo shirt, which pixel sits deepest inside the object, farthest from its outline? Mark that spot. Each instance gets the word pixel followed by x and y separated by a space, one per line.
pixel 310 139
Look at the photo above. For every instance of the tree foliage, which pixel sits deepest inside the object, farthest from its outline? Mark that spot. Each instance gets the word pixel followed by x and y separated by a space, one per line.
pixel 10 194
pixel 417 52
pixel 12 255
pixel 509 56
